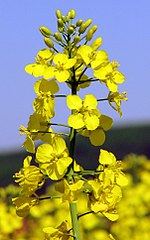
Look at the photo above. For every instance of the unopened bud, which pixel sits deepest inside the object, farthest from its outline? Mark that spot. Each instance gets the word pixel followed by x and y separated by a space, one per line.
pixel 76 40
pixel 60 23
pixel 64 18
pixel 48 42
pixel 90 32
pixel 45 31
pixel 79 22
pixel 57 36
pixel 71 14
pixel 61 29
pixel 70 30
pixel 96 43
pixel 85 25
pixel 58 14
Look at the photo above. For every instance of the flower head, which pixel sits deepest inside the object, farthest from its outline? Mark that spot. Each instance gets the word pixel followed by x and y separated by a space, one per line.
pixel 61 70
pixel 53 158
pixel 85 114
pixel 29 177
pixel 43 59
pixel 109 75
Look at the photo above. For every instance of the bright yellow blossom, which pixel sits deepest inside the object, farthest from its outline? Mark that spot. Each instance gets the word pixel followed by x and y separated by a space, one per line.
pixel 92 58
pixel 23 204
pixel 43 59
pixel 29 177
pixel 85 114
pixel 61 70
pixel 104 199
pixel 59 233
pixel 54 159
pixel 112 173
pixel 97 136
pixel 70 192
pixel 44 103
pixel 116 98
pixel 109 75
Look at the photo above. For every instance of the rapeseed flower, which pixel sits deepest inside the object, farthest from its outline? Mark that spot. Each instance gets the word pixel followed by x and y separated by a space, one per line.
pixel 53 159
pixel 29 177
pixel 109 75
pixel 43 59
pixel 92 58
pixel 61 70
pixel 85 114
pixel 59 233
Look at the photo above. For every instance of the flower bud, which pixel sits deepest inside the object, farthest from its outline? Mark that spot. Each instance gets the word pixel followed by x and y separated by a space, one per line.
pixel 76 40
pixel 84 26
pixel 64 18
pixel 96 43
pixel 45 31
pixel 90 32
pixel 57 36
pixel 70 30
pixel 71 14
pixel 48 42
pixel 79 22
pixel 58 14
pixel 61 29
pixel 60 23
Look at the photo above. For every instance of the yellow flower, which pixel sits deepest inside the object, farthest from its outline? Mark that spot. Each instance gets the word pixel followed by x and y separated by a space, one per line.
pixel 62 69
pixel 59 233
pixel 85 114
pixel 70 191
pixel 44 103
pixel 104 199
pixel 97 136
pixel 23 204
pixel 43 59
pixel 116 97
pixel 54 159
pixel 112 173
pixel 29 177
pixel 109 75
pixel 92 58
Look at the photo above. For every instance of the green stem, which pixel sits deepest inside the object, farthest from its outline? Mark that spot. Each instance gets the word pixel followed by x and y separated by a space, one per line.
pixel 70 178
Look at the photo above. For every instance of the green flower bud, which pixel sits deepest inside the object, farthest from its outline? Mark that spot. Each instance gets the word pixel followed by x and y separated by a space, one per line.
pixel 79 22
pixel 71 14
pixel 76 40
pixel 58 14
pixel 84 26
pixel 70 30
pixel 45 31
pixel 90 32
pixel 88 22
pixel 60 23
pixel 96 43
pixel 57 36
pixel 61 29
pixel 64 18
pixel 48 42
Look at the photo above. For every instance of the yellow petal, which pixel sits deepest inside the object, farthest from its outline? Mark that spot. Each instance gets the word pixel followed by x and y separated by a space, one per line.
pixel 97 137
pixel 62 75
pixel 74 102
pixel 90 101
pixel 91 122
pixel 111 216
pixel 107 158
pixel 76 121
pixel 106 122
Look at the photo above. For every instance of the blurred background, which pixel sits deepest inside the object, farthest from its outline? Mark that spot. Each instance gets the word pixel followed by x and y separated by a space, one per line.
pixel 124 27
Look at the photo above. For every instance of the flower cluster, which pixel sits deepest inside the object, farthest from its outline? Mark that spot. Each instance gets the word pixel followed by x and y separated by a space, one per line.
pixel 54 159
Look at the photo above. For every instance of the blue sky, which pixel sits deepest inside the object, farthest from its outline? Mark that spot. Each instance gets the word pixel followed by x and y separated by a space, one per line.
pixel 124 27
